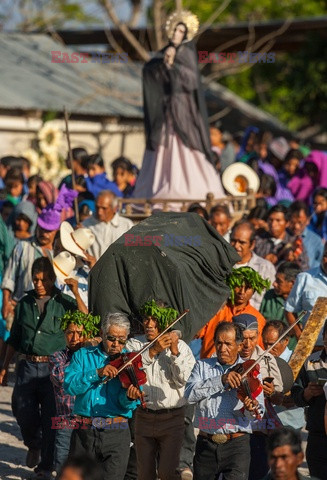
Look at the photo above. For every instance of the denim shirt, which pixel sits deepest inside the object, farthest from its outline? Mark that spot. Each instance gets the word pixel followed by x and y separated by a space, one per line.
pixel 307 288
pixel 94 398
pixel 218 410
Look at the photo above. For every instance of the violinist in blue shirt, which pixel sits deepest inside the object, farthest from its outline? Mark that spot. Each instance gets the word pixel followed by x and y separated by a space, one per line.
pixel 223 443
pixel 102 409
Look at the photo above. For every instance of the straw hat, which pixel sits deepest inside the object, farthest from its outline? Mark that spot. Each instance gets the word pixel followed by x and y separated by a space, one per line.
pixel 63 265
pixel 76 241
pixel 238 177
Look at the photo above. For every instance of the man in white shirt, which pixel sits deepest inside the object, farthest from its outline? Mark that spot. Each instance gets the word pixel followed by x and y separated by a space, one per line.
pixel 106 224
pixel 160 426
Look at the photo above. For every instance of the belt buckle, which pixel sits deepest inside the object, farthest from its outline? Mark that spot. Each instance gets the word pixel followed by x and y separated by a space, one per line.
pixel 219 438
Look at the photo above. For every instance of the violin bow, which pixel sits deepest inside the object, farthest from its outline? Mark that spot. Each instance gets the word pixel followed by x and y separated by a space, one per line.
pixel 302 314
pixel 148 345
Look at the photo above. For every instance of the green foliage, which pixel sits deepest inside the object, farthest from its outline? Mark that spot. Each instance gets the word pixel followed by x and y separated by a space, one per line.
pixel 87 320
pixel 246 276
pixel 294 89
pixel 164 316
pixel 48 116
pixel 54 15
pixel 242 11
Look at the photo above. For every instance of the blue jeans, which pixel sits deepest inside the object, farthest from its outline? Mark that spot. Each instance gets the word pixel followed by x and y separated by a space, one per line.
pixel 62 444
pixel 33 405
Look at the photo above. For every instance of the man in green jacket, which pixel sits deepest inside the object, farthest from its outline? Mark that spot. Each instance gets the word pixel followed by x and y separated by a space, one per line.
pixel 36 334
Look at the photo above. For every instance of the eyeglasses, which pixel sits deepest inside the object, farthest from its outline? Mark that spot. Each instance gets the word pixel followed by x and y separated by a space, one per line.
pixel 113 339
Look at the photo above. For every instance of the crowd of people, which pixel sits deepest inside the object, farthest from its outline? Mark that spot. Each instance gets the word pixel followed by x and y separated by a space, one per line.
pixel 219 407
pixel 68 400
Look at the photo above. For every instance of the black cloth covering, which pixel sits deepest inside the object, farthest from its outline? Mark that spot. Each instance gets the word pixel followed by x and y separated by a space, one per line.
pixel 189 275
pixel 176 94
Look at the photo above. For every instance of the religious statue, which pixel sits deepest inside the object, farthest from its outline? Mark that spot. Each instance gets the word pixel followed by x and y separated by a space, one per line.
pixel 177 161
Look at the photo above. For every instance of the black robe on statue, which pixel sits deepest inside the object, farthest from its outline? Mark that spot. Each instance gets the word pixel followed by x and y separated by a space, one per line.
pixel 177 94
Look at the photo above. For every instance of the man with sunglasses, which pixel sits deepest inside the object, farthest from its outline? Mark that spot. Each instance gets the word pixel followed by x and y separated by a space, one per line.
pixel 102 404
pixel 159 428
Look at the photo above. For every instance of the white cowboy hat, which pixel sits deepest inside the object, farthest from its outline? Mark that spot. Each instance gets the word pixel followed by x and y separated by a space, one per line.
pixel 238 177
pixel 76 241
pixel 63 265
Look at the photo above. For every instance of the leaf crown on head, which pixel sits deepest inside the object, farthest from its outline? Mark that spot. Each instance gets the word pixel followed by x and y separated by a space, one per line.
pixel 164 315
pixel 86 320
pixel 246 276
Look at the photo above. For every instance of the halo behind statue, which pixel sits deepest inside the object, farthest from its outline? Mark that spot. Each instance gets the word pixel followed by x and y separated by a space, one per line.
pixel 185 16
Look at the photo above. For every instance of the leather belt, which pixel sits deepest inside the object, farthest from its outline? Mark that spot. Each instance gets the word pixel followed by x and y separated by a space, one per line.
pixel 220 438
pixel 161 410
pixel 34 358
pixel 108 420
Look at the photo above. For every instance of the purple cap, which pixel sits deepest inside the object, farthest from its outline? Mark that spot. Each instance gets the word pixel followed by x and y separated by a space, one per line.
pixel 49 219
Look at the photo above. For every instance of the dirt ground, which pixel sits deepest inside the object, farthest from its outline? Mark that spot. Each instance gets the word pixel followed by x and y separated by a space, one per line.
pixel 12 449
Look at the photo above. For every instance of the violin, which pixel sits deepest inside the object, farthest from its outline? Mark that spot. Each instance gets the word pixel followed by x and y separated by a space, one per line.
pixel 250 384
pixel 132 373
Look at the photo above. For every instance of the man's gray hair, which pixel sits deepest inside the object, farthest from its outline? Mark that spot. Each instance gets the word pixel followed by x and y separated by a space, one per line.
pixel 111 195
pixel 117 319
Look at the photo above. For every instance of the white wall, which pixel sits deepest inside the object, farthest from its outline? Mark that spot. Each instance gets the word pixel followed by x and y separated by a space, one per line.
pixel 17 133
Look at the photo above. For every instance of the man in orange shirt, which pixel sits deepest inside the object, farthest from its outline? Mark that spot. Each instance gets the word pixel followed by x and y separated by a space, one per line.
pixel 243 282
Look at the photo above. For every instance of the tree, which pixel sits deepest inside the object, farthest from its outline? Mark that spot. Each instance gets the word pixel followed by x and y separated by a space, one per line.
pixel 293 88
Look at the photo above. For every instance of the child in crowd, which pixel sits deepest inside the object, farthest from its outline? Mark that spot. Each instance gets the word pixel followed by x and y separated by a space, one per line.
pixel 80 158
pixel 295 178
pixel 24 221
pixel 32 184
pixel 258 217
pixel 14 184
pixel 318 223
pixel 97 178
pixel 46 193
pixel 316 167
pixel 122 169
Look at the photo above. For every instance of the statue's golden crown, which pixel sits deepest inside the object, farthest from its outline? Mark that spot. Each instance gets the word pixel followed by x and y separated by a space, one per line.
pixel 184 16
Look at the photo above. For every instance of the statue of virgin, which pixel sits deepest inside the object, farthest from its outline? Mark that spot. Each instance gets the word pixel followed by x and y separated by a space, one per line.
pixel 177 161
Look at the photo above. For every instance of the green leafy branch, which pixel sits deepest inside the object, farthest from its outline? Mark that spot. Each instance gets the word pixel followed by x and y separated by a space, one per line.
pixel 86 320
pixel 164 315
pixel 248 277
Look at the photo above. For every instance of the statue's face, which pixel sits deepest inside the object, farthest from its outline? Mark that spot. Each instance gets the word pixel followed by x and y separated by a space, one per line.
pixel 178 34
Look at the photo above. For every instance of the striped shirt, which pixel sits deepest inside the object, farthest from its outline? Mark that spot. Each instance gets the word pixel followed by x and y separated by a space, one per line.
pixel 57 364
pixel 218 410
